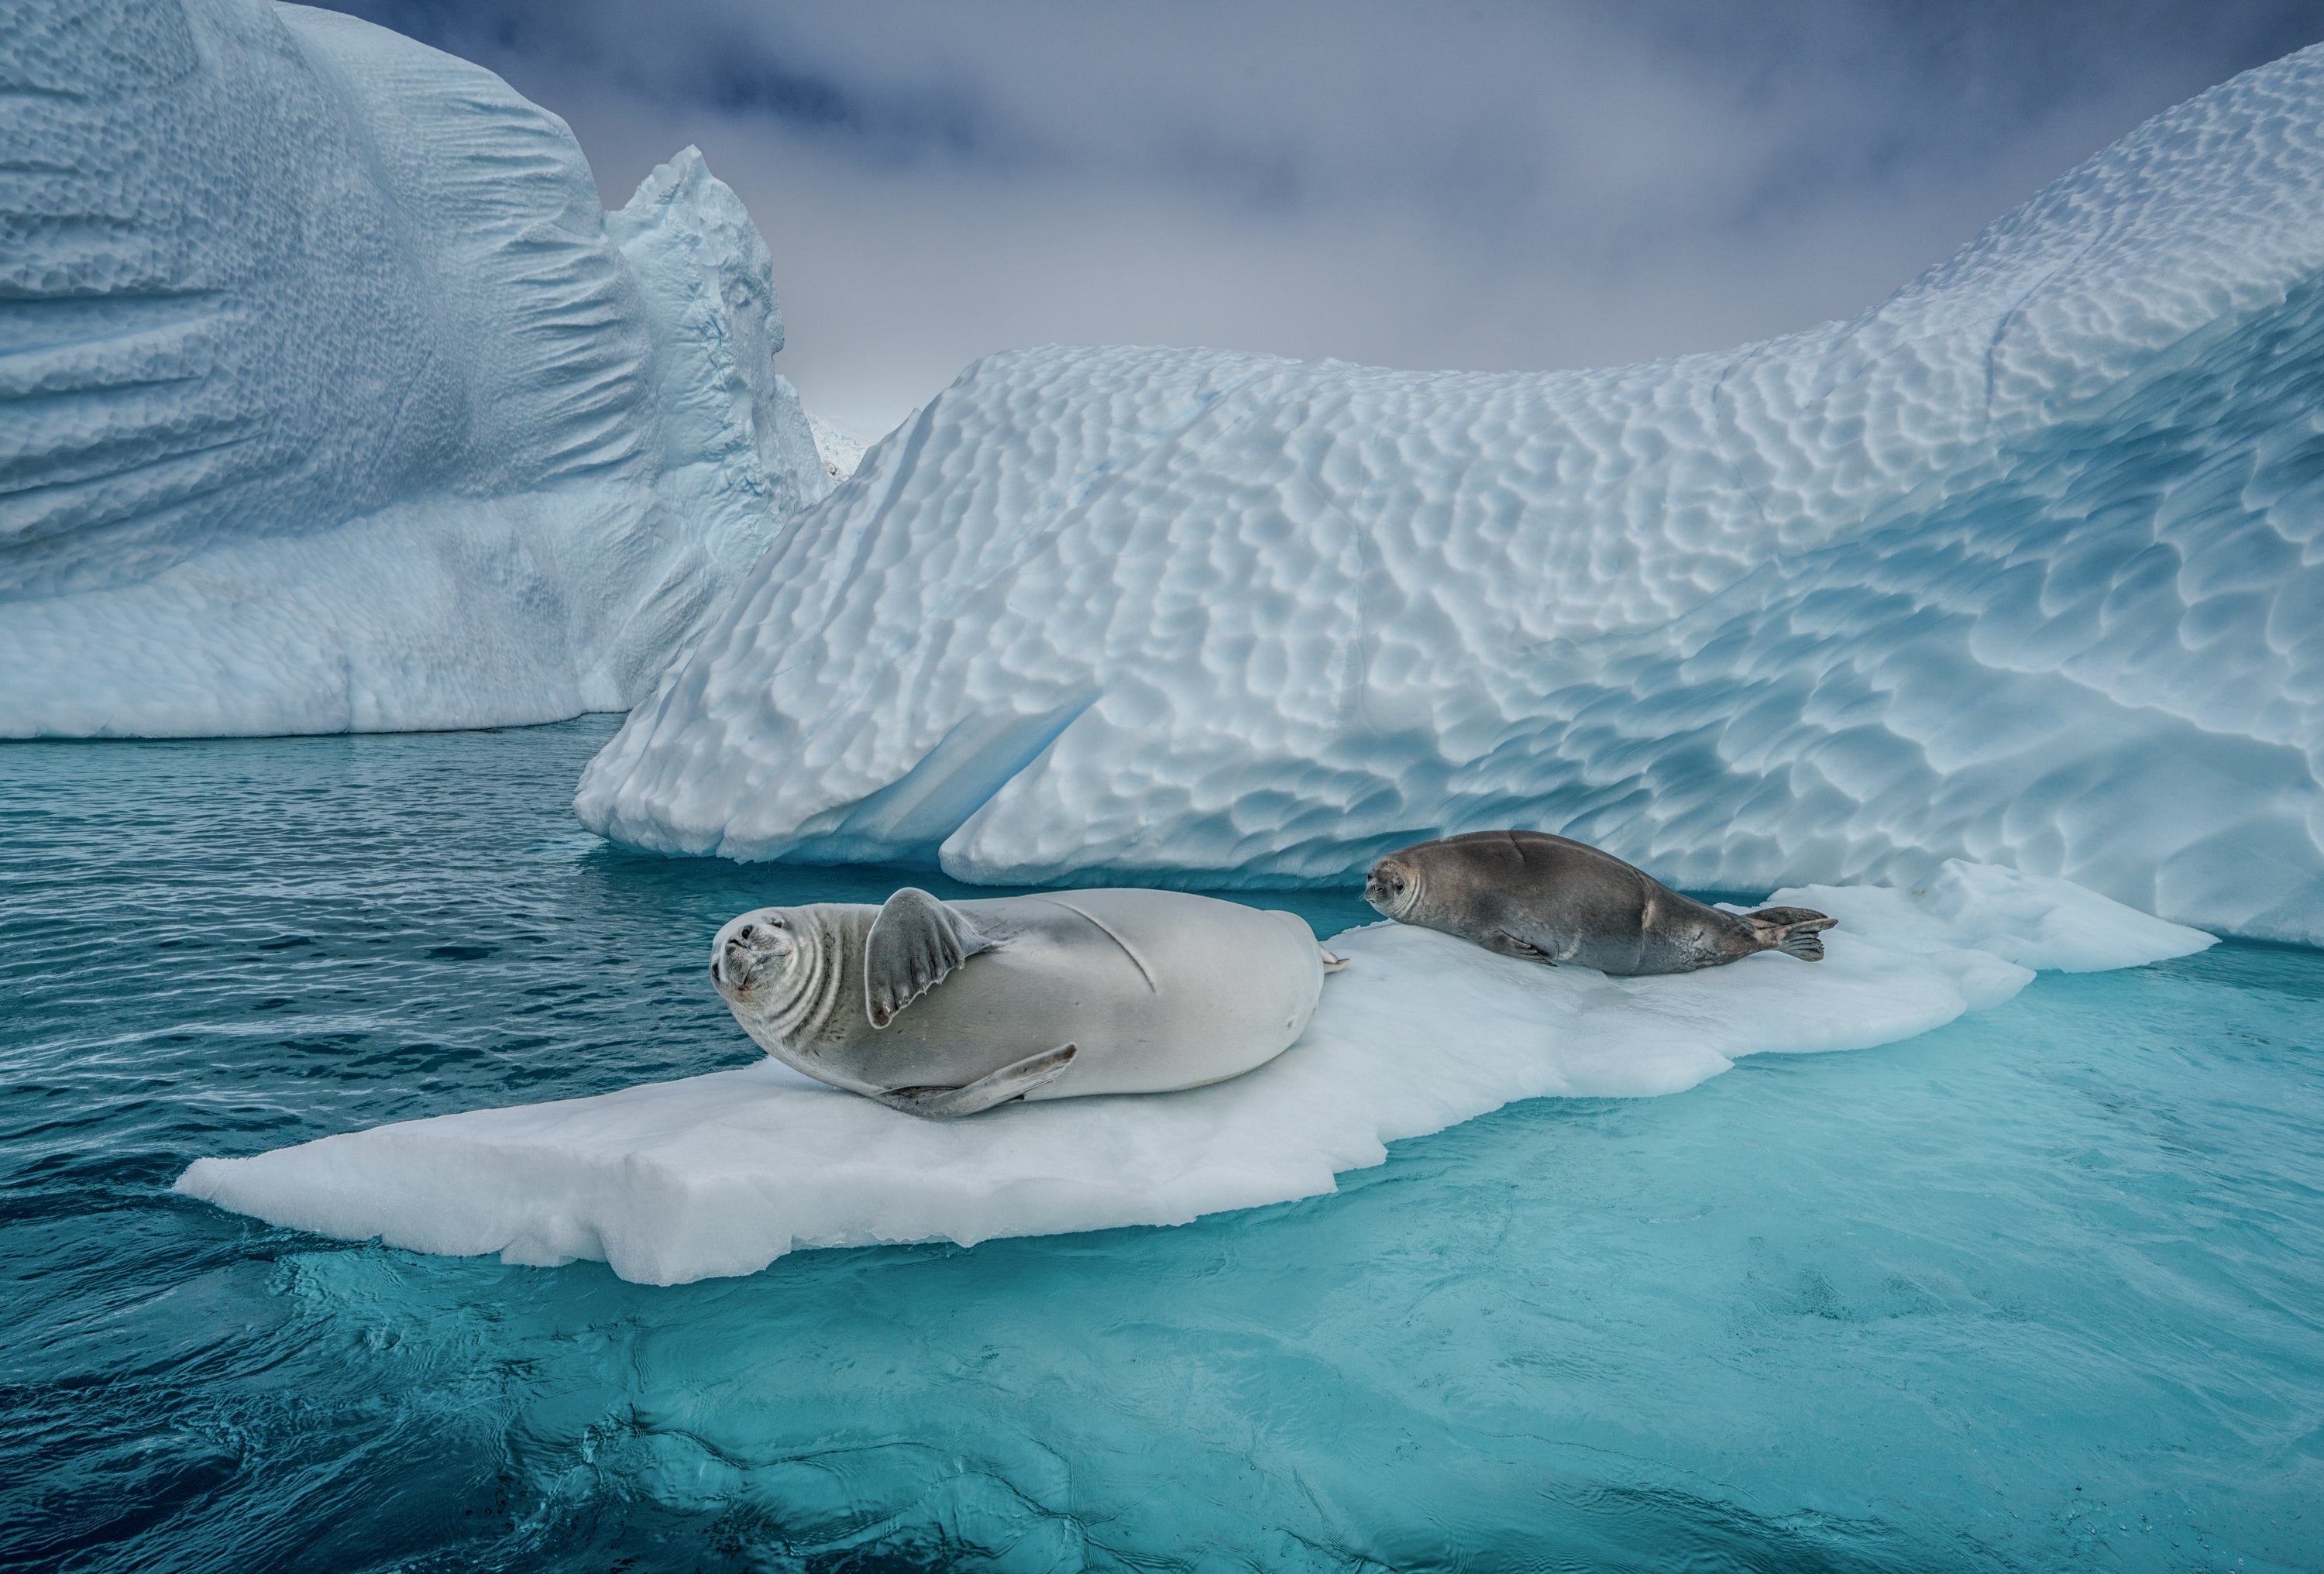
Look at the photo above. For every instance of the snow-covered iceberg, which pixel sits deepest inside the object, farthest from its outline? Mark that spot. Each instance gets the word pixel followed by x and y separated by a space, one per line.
pixel 722 1174
pixel 2026 566
pixel 331 398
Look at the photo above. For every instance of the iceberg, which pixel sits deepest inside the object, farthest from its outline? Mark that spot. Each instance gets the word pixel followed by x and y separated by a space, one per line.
pixel 331 398
pixel 2024 567
pixel 722 1173
pixel 841 452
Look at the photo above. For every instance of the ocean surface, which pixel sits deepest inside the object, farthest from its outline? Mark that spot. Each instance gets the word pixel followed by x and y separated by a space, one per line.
pixel 2042 1290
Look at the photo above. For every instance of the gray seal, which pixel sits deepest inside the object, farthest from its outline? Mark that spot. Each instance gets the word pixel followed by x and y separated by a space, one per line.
pixel 1550 899
pixel 943 1009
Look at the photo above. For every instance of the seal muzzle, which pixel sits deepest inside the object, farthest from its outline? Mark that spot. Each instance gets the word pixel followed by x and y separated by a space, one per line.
pixel 746 946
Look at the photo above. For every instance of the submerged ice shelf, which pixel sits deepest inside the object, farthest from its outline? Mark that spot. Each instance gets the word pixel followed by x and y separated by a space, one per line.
pixel 722 1173
pixel 334 399
pixel 2024 567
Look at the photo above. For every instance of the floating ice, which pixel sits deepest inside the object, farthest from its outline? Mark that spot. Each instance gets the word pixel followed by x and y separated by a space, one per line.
pixel 331 398
pixel 722 1174
pixel 2024 567
pixel 2034 921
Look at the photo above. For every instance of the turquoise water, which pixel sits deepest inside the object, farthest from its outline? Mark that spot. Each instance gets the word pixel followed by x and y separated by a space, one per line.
pixel 2042 1291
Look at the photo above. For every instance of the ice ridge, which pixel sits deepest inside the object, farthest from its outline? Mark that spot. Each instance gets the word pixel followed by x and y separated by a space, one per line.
pixel 331 398
pixel 2024 567
pixel 722 1173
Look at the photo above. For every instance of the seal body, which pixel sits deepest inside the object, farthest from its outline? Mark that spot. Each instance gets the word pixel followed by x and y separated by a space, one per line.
pixel 1551 899
pixel 946 1007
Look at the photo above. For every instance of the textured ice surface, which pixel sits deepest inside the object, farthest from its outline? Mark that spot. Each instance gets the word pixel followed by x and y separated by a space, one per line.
pixel 839 453
pixel 2023 567
pixel 331 398
pixel 724 1172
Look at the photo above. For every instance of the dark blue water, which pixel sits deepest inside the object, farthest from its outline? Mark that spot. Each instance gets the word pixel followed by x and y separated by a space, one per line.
pixel 2042 1291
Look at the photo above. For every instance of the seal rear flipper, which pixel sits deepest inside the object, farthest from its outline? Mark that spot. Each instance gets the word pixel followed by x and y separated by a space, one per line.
pixel 1010 1081
pixel 1331 963
pixel 914 943
pixel 1792 931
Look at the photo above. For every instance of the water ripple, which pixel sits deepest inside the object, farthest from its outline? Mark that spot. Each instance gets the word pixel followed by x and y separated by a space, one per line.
pixel 2036 1291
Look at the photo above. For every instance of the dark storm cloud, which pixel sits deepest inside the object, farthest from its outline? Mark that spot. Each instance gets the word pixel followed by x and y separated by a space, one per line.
pixel 1491 186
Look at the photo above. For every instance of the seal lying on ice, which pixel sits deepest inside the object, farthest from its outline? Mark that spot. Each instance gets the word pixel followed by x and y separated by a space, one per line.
pixel 1548 899
pixel 945 1009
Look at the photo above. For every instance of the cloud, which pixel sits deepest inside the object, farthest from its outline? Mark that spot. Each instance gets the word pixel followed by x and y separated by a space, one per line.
pixel 1493 186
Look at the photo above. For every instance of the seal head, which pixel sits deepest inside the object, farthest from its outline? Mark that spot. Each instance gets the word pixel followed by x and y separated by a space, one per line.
pixel 1393 887
pixel 778 971
pixel 752 951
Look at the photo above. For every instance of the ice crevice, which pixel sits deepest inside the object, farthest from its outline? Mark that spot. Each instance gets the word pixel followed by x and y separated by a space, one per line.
pixel 722 1173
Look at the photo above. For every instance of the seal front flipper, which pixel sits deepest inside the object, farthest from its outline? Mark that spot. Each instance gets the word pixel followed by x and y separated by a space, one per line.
pixel 914 943
pixel 1509 944
pixel 1010 1081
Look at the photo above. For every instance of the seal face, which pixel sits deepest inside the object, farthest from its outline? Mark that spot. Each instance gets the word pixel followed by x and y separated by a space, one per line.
pixel 943 1009
pixel 1550 899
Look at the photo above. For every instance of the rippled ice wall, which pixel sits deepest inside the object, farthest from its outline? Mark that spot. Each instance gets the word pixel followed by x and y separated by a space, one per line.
pixel 331 398
pixel 2023 566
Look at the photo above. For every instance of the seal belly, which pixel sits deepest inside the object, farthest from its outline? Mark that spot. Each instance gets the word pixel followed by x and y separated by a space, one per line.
pixel 1158 989
pixel 1579 915
pixel 1232 988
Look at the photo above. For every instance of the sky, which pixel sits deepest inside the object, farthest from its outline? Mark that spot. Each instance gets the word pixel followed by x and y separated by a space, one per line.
pixel 1493 187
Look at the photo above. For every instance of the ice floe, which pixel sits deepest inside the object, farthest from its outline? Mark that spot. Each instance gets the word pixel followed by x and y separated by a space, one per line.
pixel 722 1173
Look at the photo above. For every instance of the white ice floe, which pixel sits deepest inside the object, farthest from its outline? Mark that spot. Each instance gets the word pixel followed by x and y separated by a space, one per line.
pixel 2024 567
pixel 331 398
pixel 722 1173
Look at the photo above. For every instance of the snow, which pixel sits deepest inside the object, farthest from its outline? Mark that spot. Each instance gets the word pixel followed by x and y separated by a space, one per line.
pixel 2024 567
pixel 2034 921
pixel 720 1174
pixel 840 452
pixel 336 400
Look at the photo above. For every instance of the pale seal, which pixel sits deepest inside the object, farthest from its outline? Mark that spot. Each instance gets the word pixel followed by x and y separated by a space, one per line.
pixel 945 1009
pixel 1548 899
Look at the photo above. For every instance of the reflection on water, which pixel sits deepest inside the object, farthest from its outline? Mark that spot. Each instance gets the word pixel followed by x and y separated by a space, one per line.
pixel 2036 1290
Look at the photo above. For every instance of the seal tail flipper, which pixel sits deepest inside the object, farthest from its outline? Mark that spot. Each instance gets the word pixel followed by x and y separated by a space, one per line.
pixel 1794 931
pixel 1333 964
pixel 914 943
pixel 1010 1081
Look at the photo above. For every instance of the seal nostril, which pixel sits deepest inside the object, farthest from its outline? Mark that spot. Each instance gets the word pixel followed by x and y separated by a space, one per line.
pixel 746 932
